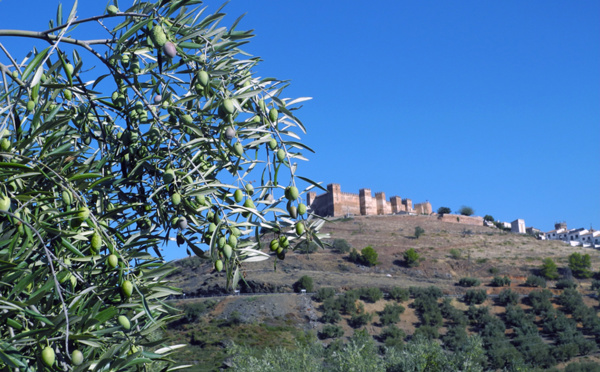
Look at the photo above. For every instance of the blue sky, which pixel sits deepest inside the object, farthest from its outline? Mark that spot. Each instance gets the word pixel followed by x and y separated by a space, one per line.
pixel 494 105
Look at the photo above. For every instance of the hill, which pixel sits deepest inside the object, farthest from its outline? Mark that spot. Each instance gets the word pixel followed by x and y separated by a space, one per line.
pixel 448 253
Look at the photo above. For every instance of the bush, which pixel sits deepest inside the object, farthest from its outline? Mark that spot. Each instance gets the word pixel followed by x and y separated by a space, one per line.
pixel 419 231
pixel 347 302
pixel 475 296
pixel 392 336
pixel 466 211
pixel 324 293
pixel 411 257
pixel 469 282
pixel 370 295
pixel 194 310
pixel 455 253
pixel 549 270
pixel 427 332
pixel 305 282
pixel 500 282
pixel 331 315
pixel 360 319
pixel 583 367
pixel 354 256
pixel 398 294
pixel 368 256
pixel 455 338
pixel 341 246
pixel 331 331
pixel 507 297
pixel 540 301
pixel 595 284
pixel 535 281
pixel 565 283
pixel 307 247
pixel 444 210
pixel 431 291
pixel 390 314
pixel 580 265
pixel 488 218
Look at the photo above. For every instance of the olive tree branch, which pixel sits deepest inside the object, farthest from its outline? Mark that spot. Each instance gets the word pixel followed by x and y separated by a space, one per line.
pixel 95 18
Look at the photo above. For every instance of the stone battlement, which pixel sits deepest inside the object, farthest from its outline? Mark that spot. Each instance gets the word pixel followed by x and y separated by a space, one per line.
pixel 337 203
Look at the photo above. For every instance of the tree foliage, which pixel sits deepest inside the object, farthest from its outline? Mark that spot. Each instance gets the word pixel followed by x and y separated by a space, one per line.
pixel 466 211
pixel 580 265
pixel 444 210
pixel 155 130
pixel 411 257
pixel 549 270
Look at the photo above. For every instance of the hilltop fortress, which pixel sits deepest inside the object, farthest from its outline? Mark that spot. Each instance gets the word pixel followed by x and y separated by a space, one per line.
pixel 337 203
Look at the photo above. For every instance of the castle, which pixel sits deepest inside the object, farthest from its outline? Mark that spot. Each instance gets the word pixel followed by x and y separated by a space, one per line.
pixel 337 203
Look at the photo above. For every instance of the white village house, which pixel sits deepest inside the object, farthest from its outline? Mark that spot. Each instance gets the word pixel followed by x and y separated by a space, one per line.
pixel 574 237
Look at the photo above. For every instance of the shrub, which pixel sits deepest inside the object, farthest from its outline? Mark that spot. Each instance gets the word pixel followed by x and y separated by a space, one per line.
pixel 466 211
pixel 331 315
pixel 469 282
pixel 347 302
pixel 549 270
pixel 390 314
pixel 360 319
pixel 488 218
pixel 507 297
pixel 455 253
pixel 595 284
pixel 419 231
pixel 354 256
pixel 475 296
pixel 427 332
pixel 368 256
pixel 583 367
pixel 399 294
pixel 535 281
pixel 431 291
pixel 455 338
pixel 540 301
pixel 411 257
pixel 500 282
pixel 392 336
pixel 331 331
pixel 324 293
pixel 565 283
pixel 341 246
pixel 371 295
pixel 444 210
pixel 307 247
pixel 580 265
pixel 305 282
pixel 194 310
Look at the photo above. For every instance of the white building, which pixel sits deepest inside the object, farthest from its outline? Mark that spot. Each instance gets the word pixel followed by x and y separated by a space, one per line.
pixel 574 237
pixel 518 226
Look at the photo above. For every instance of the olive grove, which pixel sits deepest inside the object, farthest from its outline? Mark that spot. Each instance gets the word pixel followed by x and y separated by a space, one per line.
pixel 155 129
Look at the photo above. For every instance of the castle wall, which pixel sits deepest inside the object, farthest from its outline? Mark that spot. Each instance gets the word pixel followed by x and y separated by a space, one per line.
pixel 467 220
pixel 337 203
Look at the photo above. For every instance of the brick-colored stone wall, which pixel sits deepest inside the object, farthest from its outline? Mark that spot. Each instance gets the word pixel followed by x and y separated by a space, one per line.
pixel 467 220
pixel 338 203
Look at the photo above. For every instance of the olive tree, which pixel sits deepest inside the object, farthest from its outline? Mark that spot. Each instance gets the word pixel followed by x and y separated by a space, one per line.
pixel 155 129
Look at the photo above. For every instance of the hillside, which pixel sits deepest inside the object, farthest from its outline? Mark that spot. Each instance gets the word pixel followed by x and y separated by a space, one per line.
pixel 448 251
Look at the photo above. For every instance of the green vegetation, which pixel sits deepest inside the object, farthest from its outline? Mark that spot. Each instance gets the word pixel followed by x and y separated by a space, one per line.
pixel 475 296
pixel 133 127
pixel 390 314
pixel 398 294
pixel 535 281
pixel 455 253
pixel 500 281
pixel 419 231
pixel 488 218
pixel 331 331
pixel 368 256
pixel 324 294
pixel 370 294
pixel 469 282
pixel 305 282
pixel 549 270
pixel 411 258
pixel 580 265
pixel 341 246
pixel 466 211
pixel 444 210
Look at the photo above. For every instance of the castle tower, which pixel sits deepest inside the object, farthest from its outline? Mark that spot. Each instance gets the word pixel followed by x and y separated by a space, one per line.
pixel 380 201
pixel 560 225
pixel 408 205
pixel 310 197
pixel 367 206
pixel 396 203
pixel 334 191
